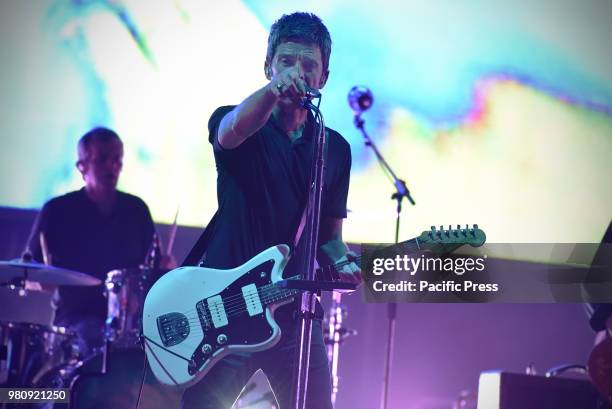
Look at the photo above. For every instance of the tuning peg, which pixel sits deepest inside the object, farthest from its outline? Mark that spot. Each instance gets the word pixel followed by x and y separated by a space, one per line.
pixel 432 233
pixel 475 227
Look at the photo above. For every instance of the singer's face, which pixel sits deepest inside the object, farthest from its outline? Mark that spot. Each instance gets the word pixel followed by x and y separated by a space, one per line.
pixel 304 59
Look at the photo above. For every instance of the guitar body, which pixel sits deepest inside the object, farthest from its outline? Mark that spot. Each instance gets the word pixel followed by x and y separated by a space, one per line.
pixel 194 316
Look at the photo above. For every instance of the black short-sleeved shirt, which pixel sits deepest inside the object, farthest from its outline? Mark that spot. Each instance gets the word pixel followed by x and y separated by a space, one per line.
pixel 262 189
pixel 81 238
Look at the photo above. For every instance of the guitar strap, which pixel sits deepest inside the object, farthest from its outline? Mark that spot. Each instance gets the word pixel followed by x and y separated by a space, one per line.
pixel 300 229
pixel 198 251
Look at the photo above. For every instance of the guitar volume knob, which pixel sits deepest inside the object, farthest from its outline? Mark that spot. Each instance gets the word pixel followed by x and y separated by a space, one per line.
pixel 222 339
pixel 206 348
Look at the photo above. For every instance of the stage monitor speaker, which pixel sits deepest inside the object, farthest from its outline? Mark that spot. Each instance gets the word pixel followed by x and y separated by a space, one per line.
pixel 504 390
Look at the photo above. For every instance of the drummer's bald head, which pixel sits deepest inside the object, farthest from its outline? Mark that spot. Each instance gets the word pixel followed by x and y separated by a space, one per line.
pixel 98 134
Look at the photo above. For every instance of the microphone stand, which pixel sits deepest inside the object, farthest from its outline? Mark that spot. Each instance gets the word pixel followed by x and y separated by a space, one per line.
pixel 313 213
pixel 307 283
pixel 400 193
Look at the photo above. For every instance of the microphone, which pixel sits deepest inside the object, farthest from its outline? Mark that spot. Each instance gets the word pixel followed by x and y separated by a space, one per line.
pixel 360 99
pixel 312 92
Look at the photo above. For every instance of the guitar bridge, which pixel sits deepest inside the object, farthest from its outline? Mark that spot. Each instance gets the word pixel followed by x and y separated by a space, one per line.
pixel 203 315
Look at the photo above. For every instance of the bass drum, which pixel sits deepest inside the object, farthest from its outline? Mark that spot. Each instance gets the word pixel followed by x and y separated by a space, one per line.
pixel 118 388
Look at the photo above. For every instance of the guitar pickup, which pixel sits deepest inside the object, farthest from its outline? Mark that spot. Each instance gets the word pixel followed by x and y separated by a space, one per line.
pixel 252 301
pixel 216 309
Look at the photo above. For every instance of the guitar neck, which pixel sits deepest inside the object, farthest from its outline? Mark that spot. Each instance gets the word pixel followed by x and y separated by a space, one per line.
pixel 273 294
pixel 411 246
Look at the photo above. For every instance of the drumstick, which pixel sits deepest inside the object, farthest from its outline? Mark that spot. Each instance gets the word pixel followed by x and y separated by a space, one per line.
pixel 44 249
pixel 34 285
pixel 172 233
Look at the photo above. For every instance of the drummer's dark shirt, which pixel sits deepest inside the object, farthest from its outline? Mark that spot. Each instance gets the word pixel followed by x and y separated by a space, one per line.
pixel 81 238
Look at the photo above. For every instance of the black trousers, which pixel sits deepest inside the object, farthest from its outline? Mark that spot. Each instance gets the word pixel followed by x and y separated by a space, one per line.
pixel 222 385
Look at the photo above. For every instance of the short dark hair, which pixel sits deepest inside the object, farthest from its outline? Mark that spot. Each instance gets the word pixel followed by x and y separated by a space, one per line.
pixel 301 27
pixel 99 134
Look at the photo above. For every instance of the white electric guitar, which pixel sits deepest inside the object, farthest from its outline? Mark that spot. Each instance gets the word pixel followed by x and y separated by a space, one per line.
pixel 194 316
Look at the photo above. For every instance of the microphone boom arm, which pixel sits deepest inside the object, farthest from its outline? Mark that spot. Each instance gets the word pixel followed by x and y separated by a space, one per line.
pixel 400 185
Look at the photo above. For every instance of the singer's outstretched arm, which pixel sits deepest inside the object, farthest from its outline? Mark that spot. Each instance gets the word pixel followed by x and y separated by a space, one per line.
pixel 247 118
pixel 252 113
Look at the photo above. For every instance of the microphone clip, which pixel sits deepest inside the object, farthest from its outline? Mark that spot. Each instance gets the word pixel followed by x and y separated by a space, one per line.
pixel 311 93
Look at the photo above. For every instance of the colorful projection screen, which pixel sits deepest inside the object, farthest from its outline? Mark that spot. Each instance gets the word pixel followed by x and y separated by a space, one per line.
pixel 493 112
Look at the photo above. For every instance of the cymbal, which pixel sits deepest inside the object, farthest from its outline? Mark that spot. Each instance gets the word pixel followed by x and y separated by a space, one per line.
pixel 44 274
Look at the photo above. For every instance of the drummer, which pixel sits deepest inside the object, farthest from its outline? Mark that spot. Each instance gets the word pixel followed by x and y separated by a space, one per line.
pixel 93 230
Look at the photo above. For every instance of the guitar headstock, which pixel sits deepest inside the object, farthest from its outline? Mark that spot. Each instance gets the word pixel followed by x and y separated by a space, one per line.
pixel 453 238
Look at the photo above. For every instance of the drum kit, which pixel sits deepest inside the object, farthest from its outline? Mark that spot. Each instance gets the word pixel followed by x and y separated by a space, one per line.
pixel 34 353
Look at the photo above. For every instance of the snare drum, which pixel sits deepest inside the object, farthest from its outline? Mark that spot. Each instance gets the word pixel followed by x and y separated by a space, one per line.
pixel 27 351
pixel 125 291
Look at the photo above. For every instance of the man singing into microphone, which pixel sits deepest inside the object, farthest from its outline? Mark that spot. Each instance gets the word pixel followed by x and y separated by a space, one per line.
pixel 263 152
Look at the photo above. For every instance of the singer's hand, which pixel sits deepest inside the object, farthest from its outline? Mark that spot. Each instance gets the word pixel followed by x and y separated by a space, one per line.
pixel 289 83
